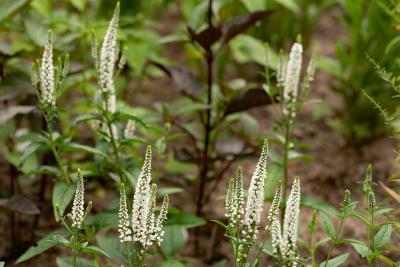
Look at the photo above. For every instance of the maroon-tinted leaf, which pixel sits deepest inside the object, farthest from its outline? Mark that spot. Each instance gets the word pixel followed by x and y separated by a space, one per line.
pixel 184 155
pixel 248 99
pixel 207 37
pixel 20 204
pixel 237 25
pixel 184 80
pixel 11 112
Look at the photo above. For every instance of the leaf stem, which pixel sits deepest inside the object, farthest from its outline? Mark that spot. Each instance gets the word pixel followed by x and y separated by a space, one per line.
pixel 334 240
pixel 128 252
pixel 285 166
pixel 59 162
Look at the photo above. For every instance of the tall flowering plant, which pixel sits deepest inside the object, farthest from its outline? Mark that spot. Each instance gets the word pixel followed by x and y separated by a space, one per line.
pixel 74 223
pixel 244 218
pixel 292 93
pixel 144 229
pixel 47 78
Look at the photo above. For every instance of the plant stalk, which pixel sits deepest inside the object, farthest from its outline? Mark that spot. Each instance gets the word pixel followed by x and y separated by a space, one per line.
pixel 59 162
pixel 334 241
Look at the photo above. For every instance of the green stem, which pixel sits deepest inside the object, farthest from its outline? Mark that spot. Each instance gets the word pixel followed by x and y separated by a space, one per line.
pixel 334 241
pixel 114 142
pixel 128 252
pixel 285 167
pixel 59 162
pixel 75 252
pixel 372 241
pixel 312 249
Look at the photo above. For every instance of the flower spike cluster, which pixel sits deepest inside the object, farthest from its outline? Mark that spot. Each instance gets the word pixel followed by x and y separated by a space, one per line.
pixel 284 243
pixel 255 199
pixel 146 229
pixel 77 214
pixel 46 75
pixel 142 201
pixel 108 56
pixel 235 200
pixel 105 65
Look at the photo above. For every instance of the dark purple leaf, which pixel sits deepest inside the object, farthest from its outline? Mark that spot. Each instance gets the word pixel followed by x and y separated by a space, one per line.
pixel 237 25
pixel 207 37
pixel 20 204
pixel 184 80
pixel 184 155
pixel 248 99
pixel 11 112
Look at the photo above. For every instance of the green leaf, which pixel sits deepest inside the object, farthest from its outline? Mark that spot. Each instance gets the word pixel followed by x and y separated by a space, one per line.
pixel 104 221
pixel 68 262
pixel 36 30
pixel 169 263
pixel 1 263
pixel 275 171
pixel 84 148
pixel 126 116
pixel 32 147
pixel 289 4
pixel 184 219
pixel 95 250
pixel 361 249
pixel 221 263
pixel 327 226
pixel 112 246
pixel 321 242
pixel 360 217
pixel 335 262
pixel 319 205
pixel 169 190
pixel 85 117
pixel 79 4
pixel 330 66
pixel 220 224
pixel 382 237
pixel 9 7
pixel 175 238
pixel 246 49
pixel 62 195
pixel 42 245
pixel 59 239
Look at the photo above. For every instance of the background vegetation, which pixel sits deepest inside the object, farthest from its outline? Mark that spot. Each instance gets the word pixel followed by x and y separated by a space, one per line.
pixel 199 82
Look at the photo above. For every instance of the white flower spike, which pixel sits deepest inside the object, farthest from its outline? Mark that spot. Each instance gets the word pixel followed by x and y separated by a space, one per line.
pixel 125 233
pixel 108 55
pixel 292 78
pixel 141 201
pixel 274 209
pixel 255 199
pixel 77 214
pixel 291 219
pixel 46 75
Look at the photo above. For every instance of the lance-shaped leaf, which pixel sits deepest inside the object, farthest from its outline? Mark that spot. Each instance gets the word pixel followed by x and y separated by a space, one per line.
pixel 11 112
pixel 184 80
pixel 207 37
pixel 20 204
pixel 237 25
pixel 248 99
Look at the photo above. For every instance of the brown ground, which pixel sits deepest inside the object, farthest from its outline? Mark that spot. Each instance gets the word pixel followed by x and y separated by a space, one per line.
pixel 335 167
